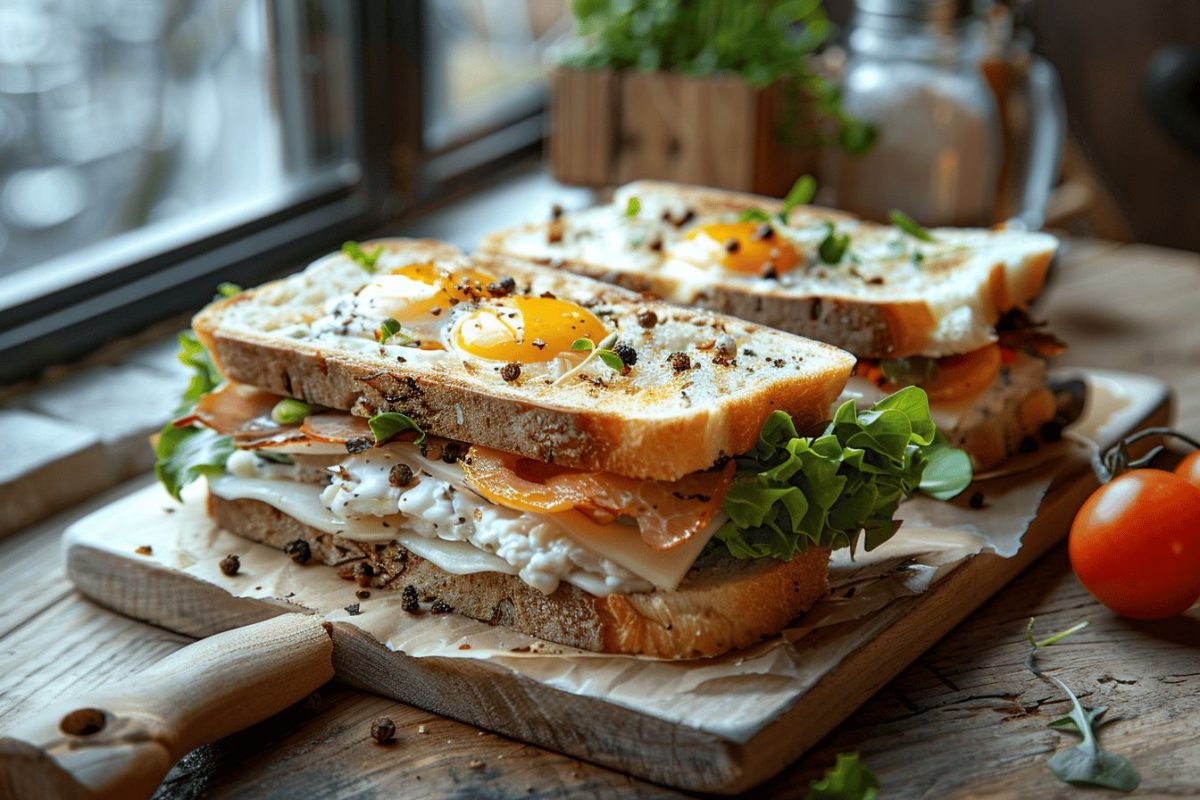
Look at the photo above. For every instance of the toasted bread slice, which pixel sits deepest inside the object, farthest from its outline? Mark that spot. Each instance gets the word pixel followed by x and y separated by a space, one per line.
pixel 722 604
pixel 666 416
pixel 891 295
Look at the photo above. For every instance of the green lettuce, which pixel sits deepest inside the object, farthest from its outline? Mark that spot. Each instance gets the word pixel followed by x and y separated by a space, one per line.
pixel 186 452
pixel 848 779
pixel 794 491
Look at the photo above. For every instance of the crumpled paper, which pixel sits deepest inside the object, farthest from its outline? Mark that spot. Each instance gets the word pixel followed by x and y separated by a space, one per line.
pixel 732 696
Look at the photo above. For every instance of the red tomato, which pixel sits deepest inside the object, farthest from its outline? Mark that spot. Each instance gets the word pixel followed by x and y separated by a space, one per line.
pixel 1135 544
pixel 1189 468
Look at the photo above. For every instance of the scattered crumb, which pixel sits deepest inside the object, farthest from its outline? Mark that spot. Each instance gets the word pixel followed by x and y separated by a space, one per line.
pixel 423 729
pixel 353 610
pixel 145 550
pixel 230 564
pixel 475 763
pixel 464 646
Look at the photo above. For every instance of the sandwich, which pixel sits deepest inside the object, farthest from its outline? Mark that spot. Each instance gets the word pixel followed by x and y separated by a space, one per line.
pixel 940 309
pixel 540 450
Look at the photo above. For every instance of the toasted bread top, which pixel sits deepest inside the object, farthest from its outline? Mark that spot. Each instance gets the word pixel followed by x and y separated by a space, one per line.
pixel 935 298
pixel 697 388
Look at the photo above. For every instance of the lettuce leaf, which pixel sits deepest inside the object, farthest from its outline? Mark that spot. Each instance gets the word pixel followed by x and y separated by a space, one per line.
pixel 186 452
pixel 792 491
pixel 847 779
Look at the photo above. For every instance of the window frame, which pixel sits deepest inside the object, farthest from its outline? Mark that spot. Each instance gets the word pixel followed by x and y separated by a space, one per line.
pixel 397 175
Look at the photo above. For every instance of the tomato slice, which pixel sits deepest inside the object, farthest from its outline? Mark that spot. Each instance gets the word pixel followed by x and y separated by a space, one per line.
pixel 668 513
pixel 955 377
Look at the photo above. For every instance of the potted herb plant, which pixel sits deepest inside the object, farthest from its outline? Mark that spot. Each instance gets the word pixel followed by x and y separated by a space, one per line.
pixel 711 92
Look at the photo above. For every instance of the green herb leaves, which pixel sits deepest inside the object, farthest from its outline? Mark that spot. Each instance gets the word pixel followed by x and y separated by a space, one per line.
pixel 633 207
pixel 609 357
pixel 833 247
pixel 762 43
pixel 1085 764
pixel 907 224
pixel 227 289
pixel 361 257
pixel 387 426
pixel 754 215
pixel 801 194
pixel 790 492
pixel 848 779
pixel 391 329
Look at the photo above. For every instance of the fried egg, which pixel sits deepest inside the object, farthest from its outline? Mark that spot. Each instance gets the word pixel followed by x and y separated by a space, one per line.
pixel 748 247
pixel 420 297
pixel 525 329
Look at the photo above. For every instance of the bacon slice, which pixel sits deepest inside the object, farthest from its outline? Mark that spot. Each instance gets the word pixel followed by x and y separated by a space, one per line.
pixel 668 513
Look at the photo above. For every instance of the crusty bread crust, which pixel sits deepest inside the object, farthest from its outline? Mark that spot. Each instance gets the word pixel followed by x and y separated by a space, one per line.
pixel 869 326
pixel 717 608
pixel 588 427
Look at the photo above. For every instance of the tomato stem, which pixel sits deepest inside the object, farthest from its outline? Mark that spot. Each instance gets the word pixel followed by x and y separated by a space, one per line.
pixel 1117 459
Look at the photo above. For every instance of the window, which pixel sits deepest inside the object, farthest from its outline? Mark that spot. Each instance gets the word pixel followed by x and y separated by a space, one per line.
pixel 150 149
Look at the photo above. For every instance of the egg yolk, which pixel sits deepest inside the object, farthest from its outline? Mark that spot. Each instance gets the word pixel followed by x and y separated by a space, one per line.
pixel 526 329
pixel 447 288
pixel 739 247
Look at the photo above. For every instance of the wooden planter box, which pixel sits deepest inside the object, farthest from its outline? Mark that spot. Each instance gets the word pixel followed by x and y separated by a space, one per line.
pixel 611 127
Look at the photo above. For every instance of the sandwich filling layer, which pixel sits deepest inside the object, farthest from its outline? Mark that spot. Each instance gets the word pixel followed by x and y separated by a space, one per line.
pixel 436 514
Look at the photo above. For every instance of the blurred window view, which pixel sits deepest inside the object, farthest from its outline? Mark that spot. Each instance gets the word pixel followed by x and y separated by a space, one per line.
pixel 130 127
pixel 486 66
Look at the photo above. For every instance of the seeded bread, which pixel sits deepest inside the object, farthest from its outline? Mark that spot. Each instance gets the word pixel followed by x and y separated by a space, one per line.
pixel 721 605
pixel 902 297
pixel 658 421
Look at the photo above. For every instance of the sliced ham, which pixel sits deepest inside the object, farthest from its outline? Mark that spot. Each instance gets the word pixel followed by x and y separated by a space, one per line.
pixel 668 513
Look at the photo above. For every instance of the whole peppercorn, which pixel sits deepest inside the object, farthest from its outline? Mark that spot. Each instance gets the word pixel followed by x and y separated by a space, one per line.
pixel 732 245
pixel 298 551
pixel 510 372
pixel 764 231
pixel 626 353
pixel 230 564
pixel 503 287
pixel 976 500
pixel 409 600
pixel 383 730
pixel 400 475
pixel 647 319
pixel 679 362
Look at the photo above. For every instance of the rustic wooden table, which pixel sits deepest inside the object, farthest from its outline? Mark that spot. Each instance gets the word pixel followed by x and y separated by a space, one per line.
pixel 965 720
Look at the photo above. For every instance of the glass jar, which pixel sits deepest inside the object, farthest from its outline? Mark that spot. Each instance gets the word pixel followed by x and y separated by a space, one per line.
pixel 913 71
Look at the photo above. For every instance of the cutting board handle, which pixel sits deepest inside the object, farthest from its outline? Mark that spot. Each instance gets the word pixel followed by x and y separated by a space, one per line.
pixel 120 740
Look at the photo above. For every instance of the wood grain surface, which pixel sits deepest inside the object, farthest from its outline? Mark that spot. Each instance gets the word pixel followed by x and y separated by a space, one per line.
pixel 965 720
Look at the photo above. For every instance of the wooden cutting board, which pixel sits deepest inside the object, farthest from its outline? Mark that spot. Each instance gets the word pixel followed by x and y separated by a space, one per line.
pixel 730 739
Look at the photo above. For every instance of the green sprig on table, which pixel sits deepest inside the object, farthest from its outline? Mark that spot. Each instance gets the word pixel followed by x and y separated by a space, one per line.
pixel 1087 763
